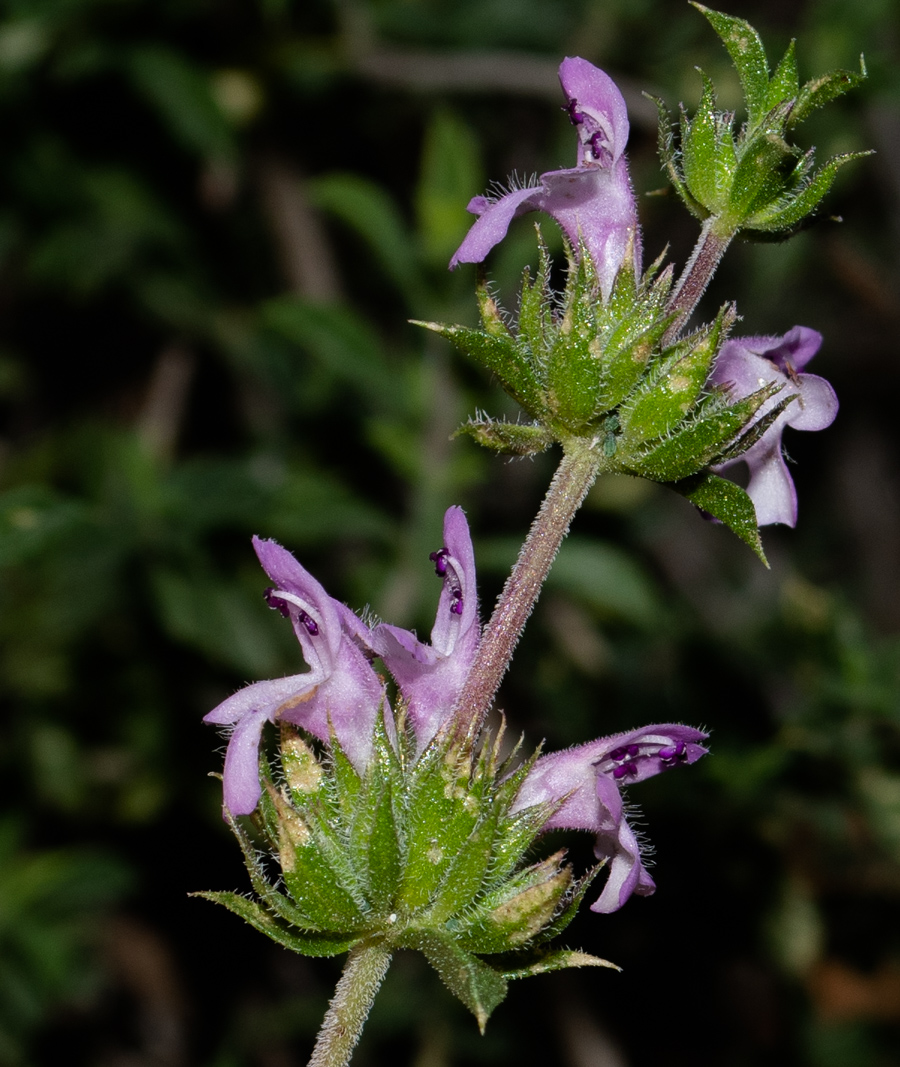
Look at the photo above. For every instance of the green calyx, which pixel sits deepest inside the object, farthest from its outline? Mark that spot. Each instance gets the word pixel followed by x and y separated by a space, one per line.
pixel 416 853
pixel 601 377
pixel 753 181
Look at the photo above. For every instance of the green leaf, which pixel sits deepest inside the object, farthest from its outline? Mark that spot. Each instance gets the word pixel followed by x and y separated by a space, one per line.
pixel 574 364
pixel 754 433
pixel 785 83
pixel 762 172
pixel 749 58
pixel 510 438
pixel 544 961
pixel 819 91
pixel 726 502
pixel 699 441
pixel 275 902
pixel 535 323
pixel 790 211
pixel 465 876
pixel 374 841
pixel 516 911
pixel 317 872
pixel 571 905
pixel 668 393
pixel 441 813
pixel 628 347
pixel 699 148
pixel 499 355
pixel 307 944
pixel 469 979
pixel 344 781
pixel 384 855
pixel 670 159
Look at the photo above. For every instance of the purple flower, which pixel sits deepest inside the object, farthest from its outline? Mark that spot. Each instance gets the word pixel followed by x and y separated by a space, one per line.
pixel 341 691
pixel 593 201
pixel 431 677
pixel 588 780
pixel 745 365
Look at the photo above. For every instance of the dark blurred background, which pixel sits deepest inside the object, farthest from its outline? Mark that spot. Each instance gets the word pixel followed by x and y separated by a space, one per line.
pixel 216 217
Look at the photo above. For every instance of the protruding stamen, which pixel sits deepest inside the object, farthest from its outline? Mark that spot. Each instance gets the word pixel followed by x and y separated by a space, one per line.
pixel 280 600
pixel 445 567
pixel 598 144
pixel 673 752
pixel 275 601
pixel 576 117
pixel 629 768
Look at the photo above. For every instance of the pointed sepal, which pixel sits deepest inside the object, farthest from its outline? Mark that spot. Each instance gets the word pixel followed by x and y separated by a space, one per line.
pixel 543 961
pixel 727 503
pixel 508 438
pixel 478 985
pixel 307 944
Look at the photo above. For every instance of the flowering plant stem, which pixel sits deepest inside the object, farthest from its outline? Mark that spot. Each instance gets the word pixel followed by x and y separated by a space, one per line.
pixel 361 979
pixel 575 475
pixel 708 251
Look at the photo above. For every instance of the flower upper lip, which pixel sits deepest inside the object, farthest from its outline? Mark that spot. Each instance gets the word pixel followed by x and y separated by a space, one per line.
pixel 340 692
pixel 593 201
pixel 431 676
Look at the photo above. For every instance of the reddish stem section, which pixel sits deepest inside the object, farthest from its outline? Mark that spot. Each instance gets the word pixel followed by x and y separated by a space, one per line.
pixel 574 477
pixel 707 255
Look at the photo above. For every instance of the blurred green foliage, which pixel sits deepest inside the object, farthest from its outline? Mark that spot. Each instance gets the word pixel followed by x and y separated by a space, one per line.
pixel 215 219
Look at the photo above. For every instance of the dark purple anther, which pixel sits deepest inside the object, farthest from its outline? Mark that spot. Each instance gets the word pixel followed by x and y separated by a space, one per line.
pixel 456 606
pixel 576 117
pixel 624 769
pixel 274 601
pixel 678 751
pixel 439 559
pixel 618 753
pixel 633 750
pixel 598 144
pixel 312 627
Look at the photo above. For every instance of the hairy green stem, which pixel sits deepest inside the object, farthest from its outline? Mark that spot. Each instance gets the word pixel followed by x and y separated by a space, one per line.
pixel 363 974
pixel 574 477
pixel 707 255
